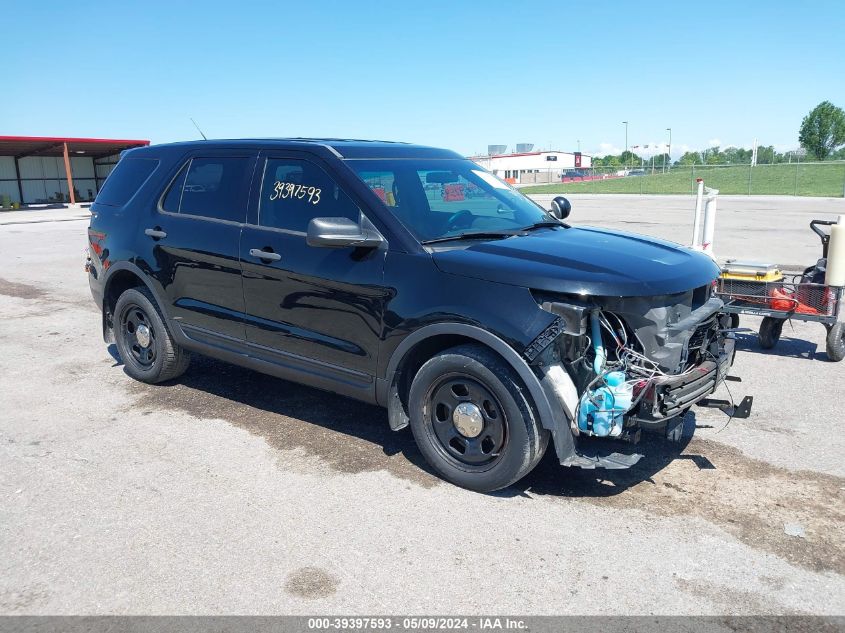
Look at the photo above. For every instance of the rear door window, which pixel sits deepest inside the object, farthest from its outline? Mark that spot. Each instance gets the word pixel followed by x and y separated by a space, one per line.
pixel 295 190
pixel 211 188
pixel 125 180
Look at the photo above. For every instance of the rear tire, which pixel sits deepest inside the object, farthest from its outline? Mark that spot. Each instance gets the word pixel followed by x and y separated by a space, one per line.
pixel 770 330
pixel 836 342
pixel 147 349
pixel 473 421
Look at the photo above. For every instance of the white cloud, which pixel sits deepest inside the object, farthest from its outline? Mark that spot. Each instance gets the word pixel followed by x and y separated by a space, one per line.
pixel 607 149
pixel 651 148
pixel 654 147
pixel 680 149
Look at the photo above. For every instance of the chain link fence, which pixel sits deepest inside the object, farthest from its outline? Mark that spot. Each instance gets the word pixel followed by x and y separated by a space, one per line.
pixel 783 179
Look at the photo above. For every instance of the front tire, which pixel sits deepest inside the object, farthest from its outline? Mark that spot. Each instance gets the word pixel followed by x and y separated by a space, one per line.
pixel 472 420
pixel 770 330
pixel 147 349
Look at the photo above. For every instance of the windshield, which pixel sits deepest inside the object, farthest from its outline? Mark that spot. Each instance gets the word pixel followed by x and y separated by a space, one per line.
pixel 435 199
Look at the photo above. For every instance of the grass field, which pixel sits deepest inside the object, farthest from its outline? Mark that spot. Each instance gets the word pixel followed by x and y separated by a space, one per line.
pixel 808 179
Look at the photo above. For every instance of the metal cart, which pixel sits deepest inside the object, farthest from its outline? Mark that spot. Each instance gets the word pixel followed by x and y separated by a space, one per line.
pixel 793 297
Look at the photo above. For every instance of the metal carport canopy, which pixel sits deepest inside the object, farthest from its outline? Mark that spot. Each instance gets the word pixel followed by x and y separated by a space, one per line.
pixel 21 146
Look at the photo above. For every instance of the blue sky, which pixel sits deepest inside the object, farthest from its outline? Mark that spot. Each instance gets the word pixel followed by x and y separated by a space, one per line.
pixel 454 74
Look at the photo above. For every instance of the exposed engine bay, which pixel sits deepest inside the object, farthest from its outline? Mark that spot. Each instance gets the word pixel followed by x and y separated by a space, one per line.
pixel 635 362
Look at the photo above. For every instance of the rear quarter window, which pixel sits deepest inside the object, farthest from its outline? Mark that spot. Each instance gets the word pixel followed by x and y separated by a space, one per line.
pixel 125 180
pixel 213 188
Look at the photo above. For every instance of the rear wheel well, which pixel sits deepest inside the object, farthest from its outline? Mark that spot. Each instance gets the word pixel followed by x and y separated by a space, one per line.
pixel 416 357
pixel 118 283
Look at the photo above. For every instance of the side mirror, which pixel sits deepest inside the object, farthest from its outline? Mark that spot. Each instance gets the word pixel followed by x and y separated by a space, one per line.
pixel 560 208
pixel 342 233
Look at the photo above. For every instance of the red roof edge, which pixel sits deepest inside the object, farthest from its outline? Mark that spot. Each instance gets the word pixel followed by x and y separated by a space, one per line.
pixel 59 139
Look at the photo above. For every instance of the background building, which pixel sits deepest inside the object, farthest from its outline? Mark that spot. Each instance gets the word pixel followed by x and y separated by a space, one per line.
pixel 44 170
pixel 526 167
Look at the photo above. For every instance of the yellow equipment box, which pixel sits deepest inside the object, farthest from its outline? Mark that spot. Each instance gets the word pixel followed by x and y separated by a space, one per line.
pixel 750 271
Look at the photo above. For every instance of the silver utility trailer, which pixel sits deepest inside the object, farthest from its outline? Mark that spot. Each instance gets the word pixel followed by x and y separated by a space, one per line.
pixel 762 292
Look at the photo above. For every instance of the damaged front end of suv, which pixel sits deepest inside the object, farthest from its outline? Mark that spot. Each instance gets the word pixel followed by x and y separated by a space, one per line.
pixel 620 365
pixel 624 332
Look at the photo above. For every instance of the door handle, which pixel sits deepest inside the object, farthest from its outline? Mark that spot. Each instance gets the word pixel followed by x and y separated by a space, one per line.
pixel 265 255
pixel 155 233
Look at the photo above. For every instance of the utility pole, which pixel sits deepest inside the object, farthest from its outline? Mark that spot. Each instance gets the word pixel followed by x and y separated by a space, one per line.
pixel 668 129
pixel 626 137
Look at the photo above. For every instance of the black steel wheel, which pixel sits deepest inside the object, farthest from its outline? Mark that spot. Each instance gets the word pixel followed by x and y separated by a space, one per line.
pixel 734 320
pixel 467 420
pixel 138 334
pixel 770 330
pixel 472 419
pixel 836 342
pixel 146 346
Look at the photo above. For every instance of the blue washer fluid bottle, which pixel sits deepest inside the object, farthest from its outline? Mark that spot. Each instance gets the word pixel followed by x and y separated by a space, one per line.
pixel 602 410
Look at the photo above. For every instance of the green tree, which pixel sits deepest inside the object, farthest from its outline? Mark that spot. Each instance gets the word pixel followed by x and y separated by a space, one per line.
pixel 630 158
pixel 690 158
pixel 823 130
pixel 659 160
pixel 736 155
pixel 713 156
pixel 765 154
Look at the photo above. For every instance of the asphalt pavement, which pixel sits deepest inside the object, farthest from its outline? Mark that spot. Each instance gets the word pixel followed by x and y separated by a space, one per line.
pixel 773 229
pixel 232 492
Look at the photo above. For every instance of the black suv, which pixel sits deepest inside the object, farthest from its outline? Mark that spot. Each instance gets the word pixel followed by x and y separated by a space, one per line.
pixel 410 277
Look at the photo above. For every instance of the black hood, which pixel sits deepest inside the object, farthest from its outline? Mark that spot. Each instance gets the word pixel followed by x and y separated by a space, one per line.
pixel 587 261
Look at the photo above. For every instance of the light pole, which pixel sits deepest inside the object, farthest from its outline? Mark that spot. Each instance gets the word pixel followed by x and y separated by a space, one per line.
pixel 626 137
pixel 668 129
